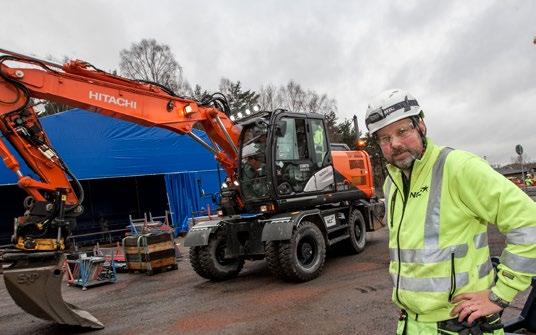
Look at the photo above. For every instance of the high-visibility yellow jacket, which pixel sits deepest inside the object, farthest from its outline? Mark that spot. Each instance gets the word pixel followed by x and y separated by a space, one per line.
pixel 439 232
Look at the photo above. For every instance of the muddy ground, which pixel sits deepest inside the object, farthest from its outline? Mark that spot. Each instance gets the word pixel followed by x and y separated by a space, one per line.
pixel 352 296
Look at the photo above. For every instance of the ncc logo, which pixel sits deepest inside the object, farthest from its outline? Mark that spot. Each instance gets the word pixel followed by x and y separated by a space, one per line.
pixel 419 192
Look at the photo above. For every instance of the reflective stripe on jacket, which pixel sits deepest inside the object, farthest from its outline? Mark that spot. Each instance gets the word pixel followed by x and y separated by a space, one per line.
pixel 439 232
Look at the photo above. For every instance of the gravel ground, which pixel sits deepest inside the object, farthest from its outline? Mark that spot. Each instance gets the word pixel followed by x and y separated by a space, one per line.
pixel 352 296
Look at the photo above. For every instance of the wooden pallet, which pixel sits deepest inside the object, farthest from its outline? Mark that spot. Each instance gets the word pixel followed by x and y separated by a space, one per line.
pixel 158 268
pixel 150 253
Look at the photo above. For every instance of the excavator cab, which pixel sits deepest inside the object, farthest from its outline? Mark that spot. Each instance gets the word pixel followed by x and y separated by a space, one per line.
pixel 253 176
pixel 284 160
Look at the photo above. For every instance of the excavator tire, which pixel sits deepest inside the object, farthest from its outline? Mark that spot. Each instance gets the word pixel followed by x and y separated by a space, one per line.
pixel 272 255
pixel 302 257
pixel 195 261
pixel 357 230
pixel 209 262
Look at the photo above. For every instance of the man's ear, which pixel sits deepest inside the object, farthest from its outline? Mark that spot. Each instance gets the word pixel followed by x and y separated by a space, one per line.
pixel 422 127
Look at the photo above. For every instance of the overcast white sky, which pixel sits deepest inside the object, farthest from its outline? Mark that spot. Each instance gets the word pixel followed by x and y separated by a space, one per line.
pixel 470 64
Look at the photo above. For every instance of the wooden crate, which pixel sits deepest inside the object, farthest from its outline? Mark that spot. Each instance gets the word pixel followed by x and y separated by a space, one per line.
pixel 150 252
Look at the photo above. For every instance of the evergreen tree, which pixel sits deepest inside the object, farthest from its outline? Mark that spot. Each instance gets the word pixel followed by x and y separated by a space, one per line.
pixel 198 92
pixel 238 99
pixel 330 120
pixel 346 133
pixel 377 161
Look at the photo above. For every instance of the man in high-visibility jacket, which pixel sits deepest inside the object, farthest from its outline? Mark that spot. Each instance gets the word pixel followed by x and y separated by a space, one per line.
pixel 529 181
pixel 439 202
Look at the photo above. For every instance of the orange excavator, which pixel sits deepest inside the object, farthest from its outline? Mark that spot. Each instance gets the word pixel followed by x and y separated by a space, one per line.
pixel 289 194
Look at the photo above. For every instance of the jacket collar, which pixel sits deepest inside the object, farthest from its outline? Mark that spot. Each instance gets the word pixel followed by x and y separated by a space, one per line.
pixel 431 151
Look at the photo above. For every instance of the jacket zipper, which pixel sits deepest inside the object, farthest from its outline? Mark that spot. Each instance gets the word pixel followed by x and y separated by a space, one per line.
pixel 399 252
pixel 452 277
pixel 404 202
pixel 393 203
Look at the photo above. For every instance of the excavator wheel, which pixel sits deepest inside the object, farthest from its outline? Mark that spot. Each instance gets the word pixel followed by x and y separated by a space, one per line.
pixel 195 261
pixel 272 255
pixel 357 230
pixel 302 258
pixel 34 282
pixel 209 261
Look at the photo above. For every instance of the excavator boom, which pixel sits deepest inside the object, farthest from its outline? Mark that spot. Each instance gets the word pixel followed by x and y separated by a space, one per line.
pixel 34 267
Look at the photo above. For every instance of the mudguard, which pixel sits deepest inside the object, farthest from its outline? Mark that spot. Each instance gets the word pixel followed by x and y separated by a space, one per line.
pixel 199 234
pixel 279 227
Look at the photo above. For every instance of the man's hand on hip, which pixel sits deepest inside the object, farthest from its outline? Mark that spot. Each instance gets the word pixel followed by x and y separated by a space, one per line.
pixel 473 306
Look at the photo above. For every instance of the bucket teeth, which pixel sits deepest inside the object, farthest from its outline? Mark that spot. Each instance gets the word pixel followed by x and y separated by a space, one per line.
pixel 34 282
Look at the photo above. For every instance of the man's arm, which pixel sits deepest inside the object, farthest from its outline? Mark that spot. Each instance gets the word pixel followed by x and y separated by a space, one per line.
pixel 496 200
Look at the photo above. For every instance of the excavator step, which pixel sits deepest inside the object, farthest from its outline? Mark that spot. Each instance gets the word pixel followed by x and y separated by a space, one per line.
pixel 34 282
pixel 337 228
pixel 338 239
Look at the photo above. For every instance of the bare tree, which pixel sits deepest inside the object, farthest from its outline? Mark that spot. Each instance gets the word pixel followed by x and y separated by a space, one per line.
pixel 268 98
pixel 151 61
pixel 290 96
pixel 518 159
pixel 294 98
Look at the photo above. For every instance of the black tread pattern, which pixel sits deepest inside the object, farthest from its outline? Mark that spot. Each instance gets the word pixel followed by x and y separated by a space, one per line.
pixel 350 245
pixel 206 265
pixel 272 259
pixel 289 267
pixel 195 262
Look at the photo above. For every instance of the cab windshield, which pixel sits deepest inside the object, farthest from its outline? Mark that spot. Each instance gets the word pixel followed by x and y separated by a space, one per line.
pixel 253 179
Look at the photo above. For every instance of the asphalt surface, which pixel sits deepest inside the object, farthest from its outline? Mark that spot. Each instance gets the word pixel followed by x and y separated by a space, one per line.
pixel 352 296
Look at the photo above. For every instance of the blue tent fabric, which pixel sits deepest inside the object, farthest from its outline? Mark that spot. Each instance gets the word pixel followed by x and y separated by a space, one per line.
pixel 95 146
pixel 185 199
pixel 180 188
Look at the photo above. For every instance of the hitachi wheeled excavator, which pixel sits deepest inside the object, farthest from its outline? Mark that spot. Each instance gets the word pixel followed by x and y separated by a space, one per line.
pixel 287 196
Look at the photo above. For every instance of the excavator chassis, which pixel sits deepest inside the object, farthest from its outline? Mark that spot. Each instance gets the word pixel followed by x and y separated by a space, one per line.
pixel 34 282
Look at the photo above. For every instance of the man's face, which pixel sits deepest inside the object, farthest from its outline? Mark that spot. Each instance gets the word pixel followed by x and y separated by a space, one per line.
pixel 253 162
pixel 401 143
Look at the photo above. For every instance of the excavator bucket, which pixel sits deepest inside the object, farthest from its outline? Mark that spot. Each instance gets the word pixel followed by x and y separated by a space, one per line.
pixel 34 281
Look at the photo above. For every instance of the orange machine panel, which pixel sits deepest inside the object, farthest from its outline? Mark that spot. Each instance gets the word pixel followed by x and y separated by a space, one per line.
pixel 356 168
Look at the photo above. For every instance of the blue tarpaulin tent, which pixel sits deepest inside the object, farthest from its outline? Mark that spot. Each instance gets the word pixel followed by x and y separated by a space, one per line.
pixel 96 146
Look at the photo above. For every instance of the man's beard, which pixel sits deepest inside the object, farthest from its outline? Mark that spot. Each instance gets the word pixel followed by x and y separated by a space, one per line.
pixel 406 163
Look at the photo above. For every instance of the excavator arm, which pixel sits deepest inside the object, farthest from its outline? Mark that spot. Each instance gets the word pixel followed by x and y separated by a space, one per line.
pixel 55 197
pixel 79 84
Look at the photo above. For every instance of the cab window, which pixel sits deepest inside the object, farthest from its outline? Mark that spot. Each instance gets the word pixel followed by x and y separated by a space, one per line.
pixel 292 158
pixel 319 141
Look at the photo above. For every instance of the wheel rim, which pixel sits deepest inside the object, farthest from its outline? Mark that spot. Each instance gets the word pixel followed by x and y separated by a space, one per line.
pixel 220 255
pixel 307 251
pixel 358 232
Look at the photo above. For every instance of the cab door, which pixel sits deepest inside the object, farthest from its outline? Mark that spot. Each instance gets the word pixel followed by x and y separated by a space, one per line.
pixel 301 165
pixel 322 172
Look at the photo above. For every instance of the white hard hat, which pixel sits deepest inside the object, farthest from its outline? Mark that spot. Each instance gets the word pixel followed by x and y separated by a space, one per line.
pixel 389 107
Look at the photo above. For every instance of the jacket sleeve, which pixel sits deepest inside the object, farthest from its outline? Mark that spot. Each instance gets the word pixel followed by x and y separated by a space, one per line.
pixel 494 199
